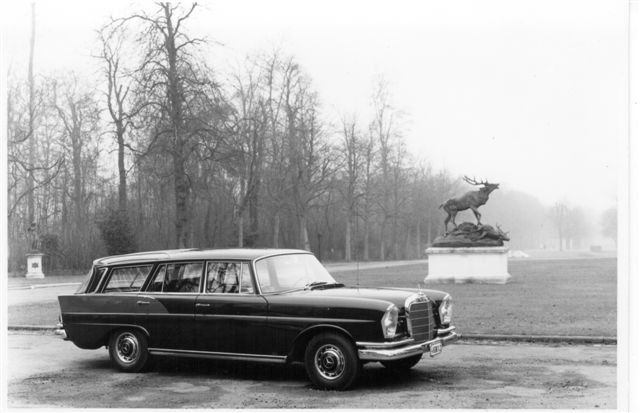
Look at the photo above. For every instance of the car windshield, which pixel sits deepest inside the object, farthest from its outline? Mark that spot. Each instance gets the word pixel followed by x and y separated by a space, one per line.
pixel 290 272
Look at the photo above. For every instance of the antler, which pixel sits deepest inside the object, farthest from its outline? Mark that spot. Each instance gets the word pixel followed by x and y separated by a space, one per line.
pixel 473 181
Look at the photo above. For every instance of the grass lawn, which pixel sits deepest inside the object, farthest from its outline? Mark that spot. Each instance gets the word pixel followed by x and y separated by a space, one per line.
pixel 40 314
pixel 544 297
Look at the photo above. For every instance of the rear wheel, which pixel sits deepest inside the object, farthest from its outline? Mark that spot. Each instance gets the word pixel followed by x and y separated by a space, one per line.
pixel 128 350
pixel 402 364
pixel 331 362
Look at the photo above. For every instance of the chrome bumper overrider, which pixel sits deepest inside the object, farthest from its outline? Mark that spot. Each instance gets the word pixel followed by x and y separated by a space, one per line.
pixel 405 348
pixel 60 331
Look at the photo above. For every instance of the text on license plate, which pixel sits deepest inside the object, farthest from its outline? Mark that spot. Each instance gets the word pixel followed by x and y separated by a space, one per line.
pixel 435 349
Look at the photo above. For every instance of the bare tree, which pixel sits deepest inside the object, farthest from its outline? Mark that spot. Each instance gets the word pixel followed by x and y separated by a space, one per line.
pixel 370 153
pixel 30 135
pixel 307 150
pixel 275 70
pixel 384 130
pixel 351 147
pixel 120 106
pixel 609 222
pixel 175 86
pixel 247 154
pixel 559 214
pixel 79 116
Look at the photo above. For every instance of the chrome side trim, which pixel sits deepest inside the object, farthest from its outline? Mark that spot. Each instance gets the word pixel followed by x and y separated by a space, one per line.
pixel 377 354
pixel 218 355
pixel 200 316
pixel 298 320
pixel 144 330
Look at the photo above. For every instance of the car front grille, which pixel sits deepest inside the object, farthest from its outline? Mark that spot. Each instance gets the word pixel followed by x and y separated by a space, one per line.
pixel 421 321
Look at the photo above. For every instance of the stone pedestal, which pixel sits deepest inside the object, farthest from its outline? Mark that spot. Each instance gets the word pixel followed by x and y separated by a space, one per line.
pixel 34 265
pixel 468 265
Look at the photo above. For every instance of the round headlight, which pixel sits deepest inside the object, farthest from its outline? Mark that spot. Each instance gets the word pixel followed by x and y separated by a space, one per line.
pixel 445 310
pixel 390 321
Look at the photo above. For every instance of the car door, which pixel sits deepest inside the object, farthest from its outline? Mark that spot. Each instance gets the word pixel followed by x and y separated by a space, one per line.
pixel 170 299
pixel 230 316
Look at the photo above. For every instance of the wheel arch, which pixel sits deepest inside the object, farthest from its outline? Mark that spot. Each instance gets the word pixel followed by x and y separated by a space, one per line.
pixel 302 339
pixel 118 327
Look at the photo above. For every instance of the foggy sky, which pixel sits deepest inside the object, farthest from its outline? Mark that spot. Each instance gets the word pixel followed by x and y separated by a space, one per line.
pixel 529 94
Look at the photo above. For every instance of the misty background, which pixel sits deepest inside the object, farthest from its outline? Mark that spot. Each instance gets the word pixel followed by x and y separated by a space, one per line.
pixel 329 127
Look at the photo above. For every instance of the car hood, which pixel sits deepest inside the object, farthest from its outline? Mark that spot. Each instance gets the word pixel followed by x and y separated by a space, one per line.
pixel 396 296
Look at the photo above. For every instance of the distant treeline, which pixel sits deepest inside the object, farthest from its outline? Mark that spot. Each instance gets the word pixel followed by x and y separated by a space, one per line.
pixel 206 159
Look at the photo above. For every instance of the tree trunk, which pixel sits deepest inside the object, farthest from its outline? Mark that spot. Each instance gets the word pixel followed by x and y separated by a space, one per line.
pixel 122 172
pixel 181 190
pixel 382 246
pixel 207 226
pixel 240 231
pixel 365 243
pixel 31 136
pixel 304 234
pixel 560 239
pixel 347 241
pixel 276 230
pixel 254 223
pixel 181 181
pixel 407 244
pixel 418 240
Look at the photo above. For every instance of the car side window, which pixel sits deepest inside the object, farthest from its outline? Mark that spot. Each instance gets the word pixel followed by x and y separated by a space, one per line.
pixel 177 278
pixel 246 284
pixel 158 281
pixel 229 278
pixel 127 279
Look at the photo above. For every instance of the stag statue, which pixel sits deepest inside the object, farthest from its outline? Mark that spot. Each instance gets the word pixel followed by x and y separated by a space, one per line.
pixel 471 199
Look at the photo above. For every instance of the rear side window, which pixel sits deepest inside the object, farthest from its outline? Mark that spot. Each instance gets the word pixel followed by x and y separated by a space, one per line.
pixel 92 281
pixel 177 278
pixel 127 279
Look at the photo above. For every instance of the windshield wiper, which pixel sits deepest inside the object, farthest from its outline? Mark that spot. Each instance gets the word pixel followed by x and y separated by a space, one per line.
pixel 314 284
pixel 322 284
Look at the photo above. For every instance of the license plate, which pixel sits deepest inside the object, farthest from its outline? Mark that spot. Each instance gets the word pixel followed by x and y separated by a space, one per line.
pixel 435 349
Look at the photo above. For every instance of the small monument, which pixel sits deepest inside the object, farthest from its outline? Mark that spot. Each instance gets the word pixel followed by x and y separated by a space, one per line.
pixel 34 256
pixel 470 252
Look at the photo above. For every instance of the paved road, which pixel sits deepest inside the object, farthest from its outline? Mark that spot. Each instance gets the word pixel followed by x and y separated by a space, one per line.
pixel 44 371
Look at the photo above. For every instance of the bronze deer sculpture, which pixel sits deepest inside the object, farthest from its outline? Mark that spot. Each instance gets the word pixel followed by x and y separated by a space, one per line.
pixel 471 199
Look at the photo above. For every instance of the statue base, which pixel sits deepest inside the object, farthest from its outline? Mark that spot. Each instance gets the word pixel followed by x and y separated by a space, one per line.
pixel 468 265
pixel 34 265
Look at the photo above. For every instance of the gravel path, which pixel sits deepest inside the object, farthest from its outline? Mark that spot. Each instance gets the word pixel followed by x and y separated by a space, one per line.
pixel 44 371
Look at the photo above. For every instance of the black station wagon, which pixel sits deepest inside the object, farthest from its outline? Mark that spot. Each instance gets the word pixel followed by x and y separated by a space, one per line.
pixel 278 306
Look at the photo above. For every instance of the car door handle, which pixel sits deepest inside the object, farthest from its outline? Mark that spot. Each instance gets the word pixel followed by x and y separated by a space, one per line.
pixel 202 305
pixel 142 302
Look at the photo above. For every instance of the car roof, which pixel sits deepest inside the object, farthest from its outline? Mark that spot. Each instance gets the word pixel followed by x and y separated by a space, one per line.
pixel 245 254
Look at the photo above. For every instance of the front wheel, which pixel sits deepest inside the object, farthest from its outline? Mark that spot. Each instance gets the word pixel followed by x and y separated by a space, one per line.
pixel 331 362
pixel 402 364
pixel 128 350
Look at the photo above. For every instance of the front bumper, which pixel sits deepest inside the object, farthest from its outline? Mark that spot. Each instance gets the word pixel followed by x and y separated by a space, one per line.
pixel 402 349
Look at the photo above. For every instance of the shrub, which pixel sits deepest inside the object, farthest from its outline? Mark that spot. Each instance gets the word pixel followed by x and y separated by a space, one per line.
pixel 116 232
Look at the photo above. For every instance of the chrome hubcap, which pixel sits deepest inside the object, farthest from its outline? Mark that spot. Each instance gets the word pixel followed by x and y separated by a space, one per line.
pixel 127 348
pixel 329 362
